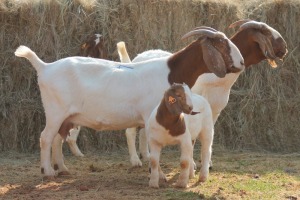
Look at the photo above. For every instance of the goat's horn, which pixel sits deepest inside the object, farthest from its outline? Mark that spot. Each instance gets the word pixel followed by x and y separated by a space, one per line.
pixel 239 23
pixel 206 27
pixel 254 24
pixel 203 32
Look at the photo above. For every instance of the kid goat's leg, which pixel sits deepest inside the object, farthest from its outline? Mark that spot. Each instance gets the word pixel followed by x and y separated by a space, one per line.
pixel 206 139
pixel 154 163
pixel 185 161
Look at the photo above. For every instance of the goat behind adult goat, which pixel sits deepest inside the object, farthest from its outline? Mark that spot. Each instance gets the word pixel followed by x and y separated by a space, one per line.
pixel 107 95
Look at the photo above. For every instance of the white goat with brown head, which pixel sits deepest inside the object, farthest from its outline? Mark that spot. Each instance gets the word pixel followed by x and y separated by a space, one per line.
pixel 174 122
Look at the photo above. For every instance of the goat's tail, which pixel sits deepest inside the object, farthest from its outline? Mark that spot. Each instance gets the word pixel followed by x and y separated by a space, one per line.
pixel 25 52
pixel 122 51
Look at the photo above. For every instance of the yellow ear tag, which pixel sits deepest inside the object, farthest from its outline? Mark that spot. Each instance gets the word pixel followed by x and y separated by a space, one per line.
pixel 171 100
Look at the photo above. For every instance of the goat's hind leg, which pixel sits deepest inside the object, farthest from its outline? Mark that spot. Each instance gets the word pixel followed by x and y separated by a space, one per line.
pixel 72 139
pixel 57 156
pixel 46 140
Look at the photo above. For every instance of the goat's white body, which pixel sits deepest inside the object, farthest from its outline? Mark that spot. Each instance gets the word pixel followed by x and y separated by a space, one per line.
pixel 109 95
pixel 150 54
pixel 99 82
pixel 199 126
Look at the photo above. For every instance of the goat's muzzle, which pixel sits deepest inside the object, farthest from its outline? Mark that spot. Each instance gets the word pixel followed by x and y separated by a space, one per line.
pixel 234 69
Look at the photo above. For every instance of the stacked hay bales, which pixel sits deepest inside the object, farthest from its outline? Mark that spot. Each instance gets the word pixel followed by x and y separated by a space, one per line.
pixel 257 113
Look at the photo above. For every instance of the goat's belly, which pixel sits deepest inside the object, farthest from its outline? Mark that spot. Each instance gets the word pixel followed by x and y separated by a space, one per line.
pixel 101 124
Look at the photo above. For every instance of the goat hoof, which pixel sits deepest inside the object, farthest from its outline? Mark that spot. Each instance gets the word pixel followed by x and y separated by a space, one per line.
pixel 202 179
pixel 136 162
pixel 153 185
pixel 64 173
pixel 48 178
pixel 181 185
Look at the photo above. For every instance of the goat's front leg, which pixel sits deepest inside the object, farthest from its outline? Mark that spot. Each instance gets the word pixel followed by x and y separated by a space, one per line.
pixel 72 139
pixel 134 158
pixel 154 164
pixel 206 151
pixel 57 156
pixel 143 145
pixel 186 161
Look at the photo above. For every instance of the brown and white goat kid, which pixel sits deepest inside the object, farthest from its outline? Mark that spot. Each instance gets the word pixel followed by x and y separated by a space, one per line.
pixel 108 95
pixel 256 41
pixel 174 122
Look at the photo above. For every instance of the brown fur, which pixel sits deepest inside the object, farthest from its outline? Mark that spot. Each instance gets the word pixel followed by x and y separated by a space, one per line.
pixel 246 41
pixel 90 49
pixel 184 164
pixel 55 166
pixel 153 164
pixel 65 128
pixel 188 64
pixel 169 113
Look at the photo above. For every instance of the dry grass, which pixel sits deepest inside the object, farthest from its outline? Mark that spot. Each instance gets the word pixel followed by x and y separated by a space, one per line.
pixel 263 112
pixel 235 175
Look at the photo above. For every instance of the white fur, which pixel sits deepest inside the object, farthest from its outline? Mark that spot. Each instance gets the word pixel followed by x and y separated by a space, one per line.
pixel 97 40
pixel 197 126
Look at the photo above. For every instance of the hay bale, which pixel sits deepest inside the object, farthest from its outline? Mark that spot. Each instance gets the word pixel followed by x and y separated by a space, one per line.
pixel 55 29
pixel 263 111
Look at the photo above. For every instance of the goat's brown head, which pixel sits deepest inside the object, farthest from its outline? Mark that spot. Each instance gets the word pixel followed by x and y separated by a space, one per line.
pixel 94 47
pixel 178 99
pixel 220 55
pixel 262 40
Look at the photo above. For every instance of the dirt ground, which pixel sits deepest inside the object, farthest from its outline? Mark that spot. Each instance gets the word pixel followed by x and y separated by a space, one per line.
pixel 110 176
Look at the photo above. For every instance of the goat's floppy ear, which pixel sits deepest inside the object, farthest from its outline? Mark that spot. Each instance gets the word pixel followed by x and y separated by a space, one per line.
pixel 266 47
pixel 213 58
pixel 172 102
